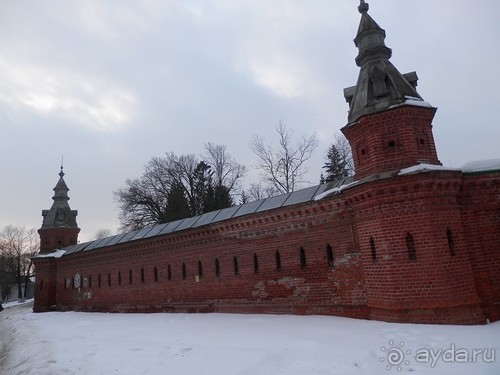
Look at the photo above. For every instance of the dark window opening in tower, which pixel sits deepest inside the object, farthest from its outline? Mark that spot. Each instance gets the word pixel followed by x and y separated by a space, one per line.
pixel 410 244
pixel 329 254
pixel 217 267
pixel 200 269
pixel 451 243
pixel 303 262
pixel 235 264
pixel 278 261
pixel 255 263
pixel 373 250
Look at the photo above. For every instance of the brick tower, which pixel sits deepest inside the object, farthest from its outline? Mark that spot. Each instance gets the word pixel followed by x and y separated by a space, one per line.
pixel 59 227
pixel 389 125
pixel 409 226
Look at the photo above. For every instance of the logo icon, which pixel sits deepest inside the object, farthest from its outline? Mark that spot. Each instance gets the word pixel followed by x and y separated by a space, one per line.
pixel 395 356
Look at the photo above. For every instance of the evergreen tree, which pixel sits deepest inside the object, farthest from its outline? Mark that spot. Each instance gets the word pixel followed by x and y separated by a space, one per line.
pixel 177 203
pixel 202 187
pixel 339 163
pixel 335 166
pixel 222 198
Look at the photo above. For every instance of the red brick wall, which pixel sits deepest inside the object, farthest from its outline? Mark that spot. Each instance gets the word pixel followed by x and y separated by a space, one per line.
pixel 317 288
pixel 480 198
pixel 45 284
pixel 394 139
pixel 453 281
pixel 436 287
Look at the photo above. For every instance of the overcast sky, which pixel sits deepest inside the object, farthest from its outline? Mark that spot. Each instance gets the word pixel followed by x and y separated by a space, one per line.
pixel 109 84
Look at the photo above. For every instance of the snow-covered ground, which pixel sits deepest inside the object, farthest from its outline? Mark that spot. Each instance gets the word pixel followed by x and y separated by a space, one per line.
pixel 184 344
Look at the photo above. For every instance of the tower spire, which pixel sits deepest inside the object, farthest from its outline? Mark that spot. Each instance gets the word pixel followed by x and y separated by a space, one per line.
pixel 59 227
pixel 380 85
pixel 363 7
pixel 389 125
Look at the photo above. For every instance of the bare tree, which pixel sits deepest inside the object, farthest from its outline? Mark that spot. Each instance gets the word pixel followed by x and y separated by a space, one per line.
pixel 284 168
pixel 258 191
pixel 17 246
pixel 174 187
pixel 226 170
pixel 103 233
pixel 344 148
pixel 143 201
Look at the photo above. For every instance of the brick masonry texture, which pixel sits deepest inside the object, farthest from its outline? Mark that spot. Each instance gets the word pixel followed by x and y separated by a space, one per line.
pixel 452 219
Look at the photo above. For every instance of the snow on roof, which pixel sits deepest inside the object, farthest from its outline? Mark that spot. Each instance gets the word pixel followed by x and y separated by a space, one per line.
pixel 55 254
pixel 336 190
pixel 423 167
pixel 481 166
pixel 417 102
pixel 410 100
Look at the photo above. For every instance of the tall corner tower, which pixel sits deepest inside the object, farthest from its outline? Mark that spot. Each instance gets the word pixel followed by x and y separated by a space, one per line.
pixel 59 227
pixel 389 124
pixel 409 227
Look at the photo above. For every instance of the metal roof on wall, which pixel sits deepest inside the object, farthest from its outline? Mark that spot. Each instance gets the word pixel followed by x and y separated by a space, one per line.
pixel 271 203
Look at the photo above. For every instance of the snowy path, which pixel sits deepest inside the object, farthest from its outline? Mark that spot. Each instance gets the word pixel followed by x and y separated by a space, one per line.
pixel 4 343
pixel 23 351
pixel 226 344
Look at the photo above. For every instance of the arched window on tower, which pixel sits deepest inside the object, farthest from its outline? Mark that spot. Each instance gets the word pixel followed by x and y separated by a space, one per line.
pixel 373 250
pixel 200 269
pixel 235 264
pixel 255 263
pixel 184 271
pixel 278 260
pixel 329 254
pixel 303 262
pixel 410 244
pixel 451 243
pixel 217 267
pixel 169 272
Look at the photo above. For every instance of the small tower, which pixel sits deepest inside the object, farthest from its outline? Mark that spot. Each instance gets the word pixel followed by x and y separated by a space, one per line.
pixel 59 227
pixel 389 125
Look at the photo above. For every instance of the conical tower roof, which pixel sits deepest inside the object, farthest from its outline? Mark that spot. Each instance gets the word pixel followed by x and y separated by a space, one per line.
pixel 380 85
pixel 60 214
